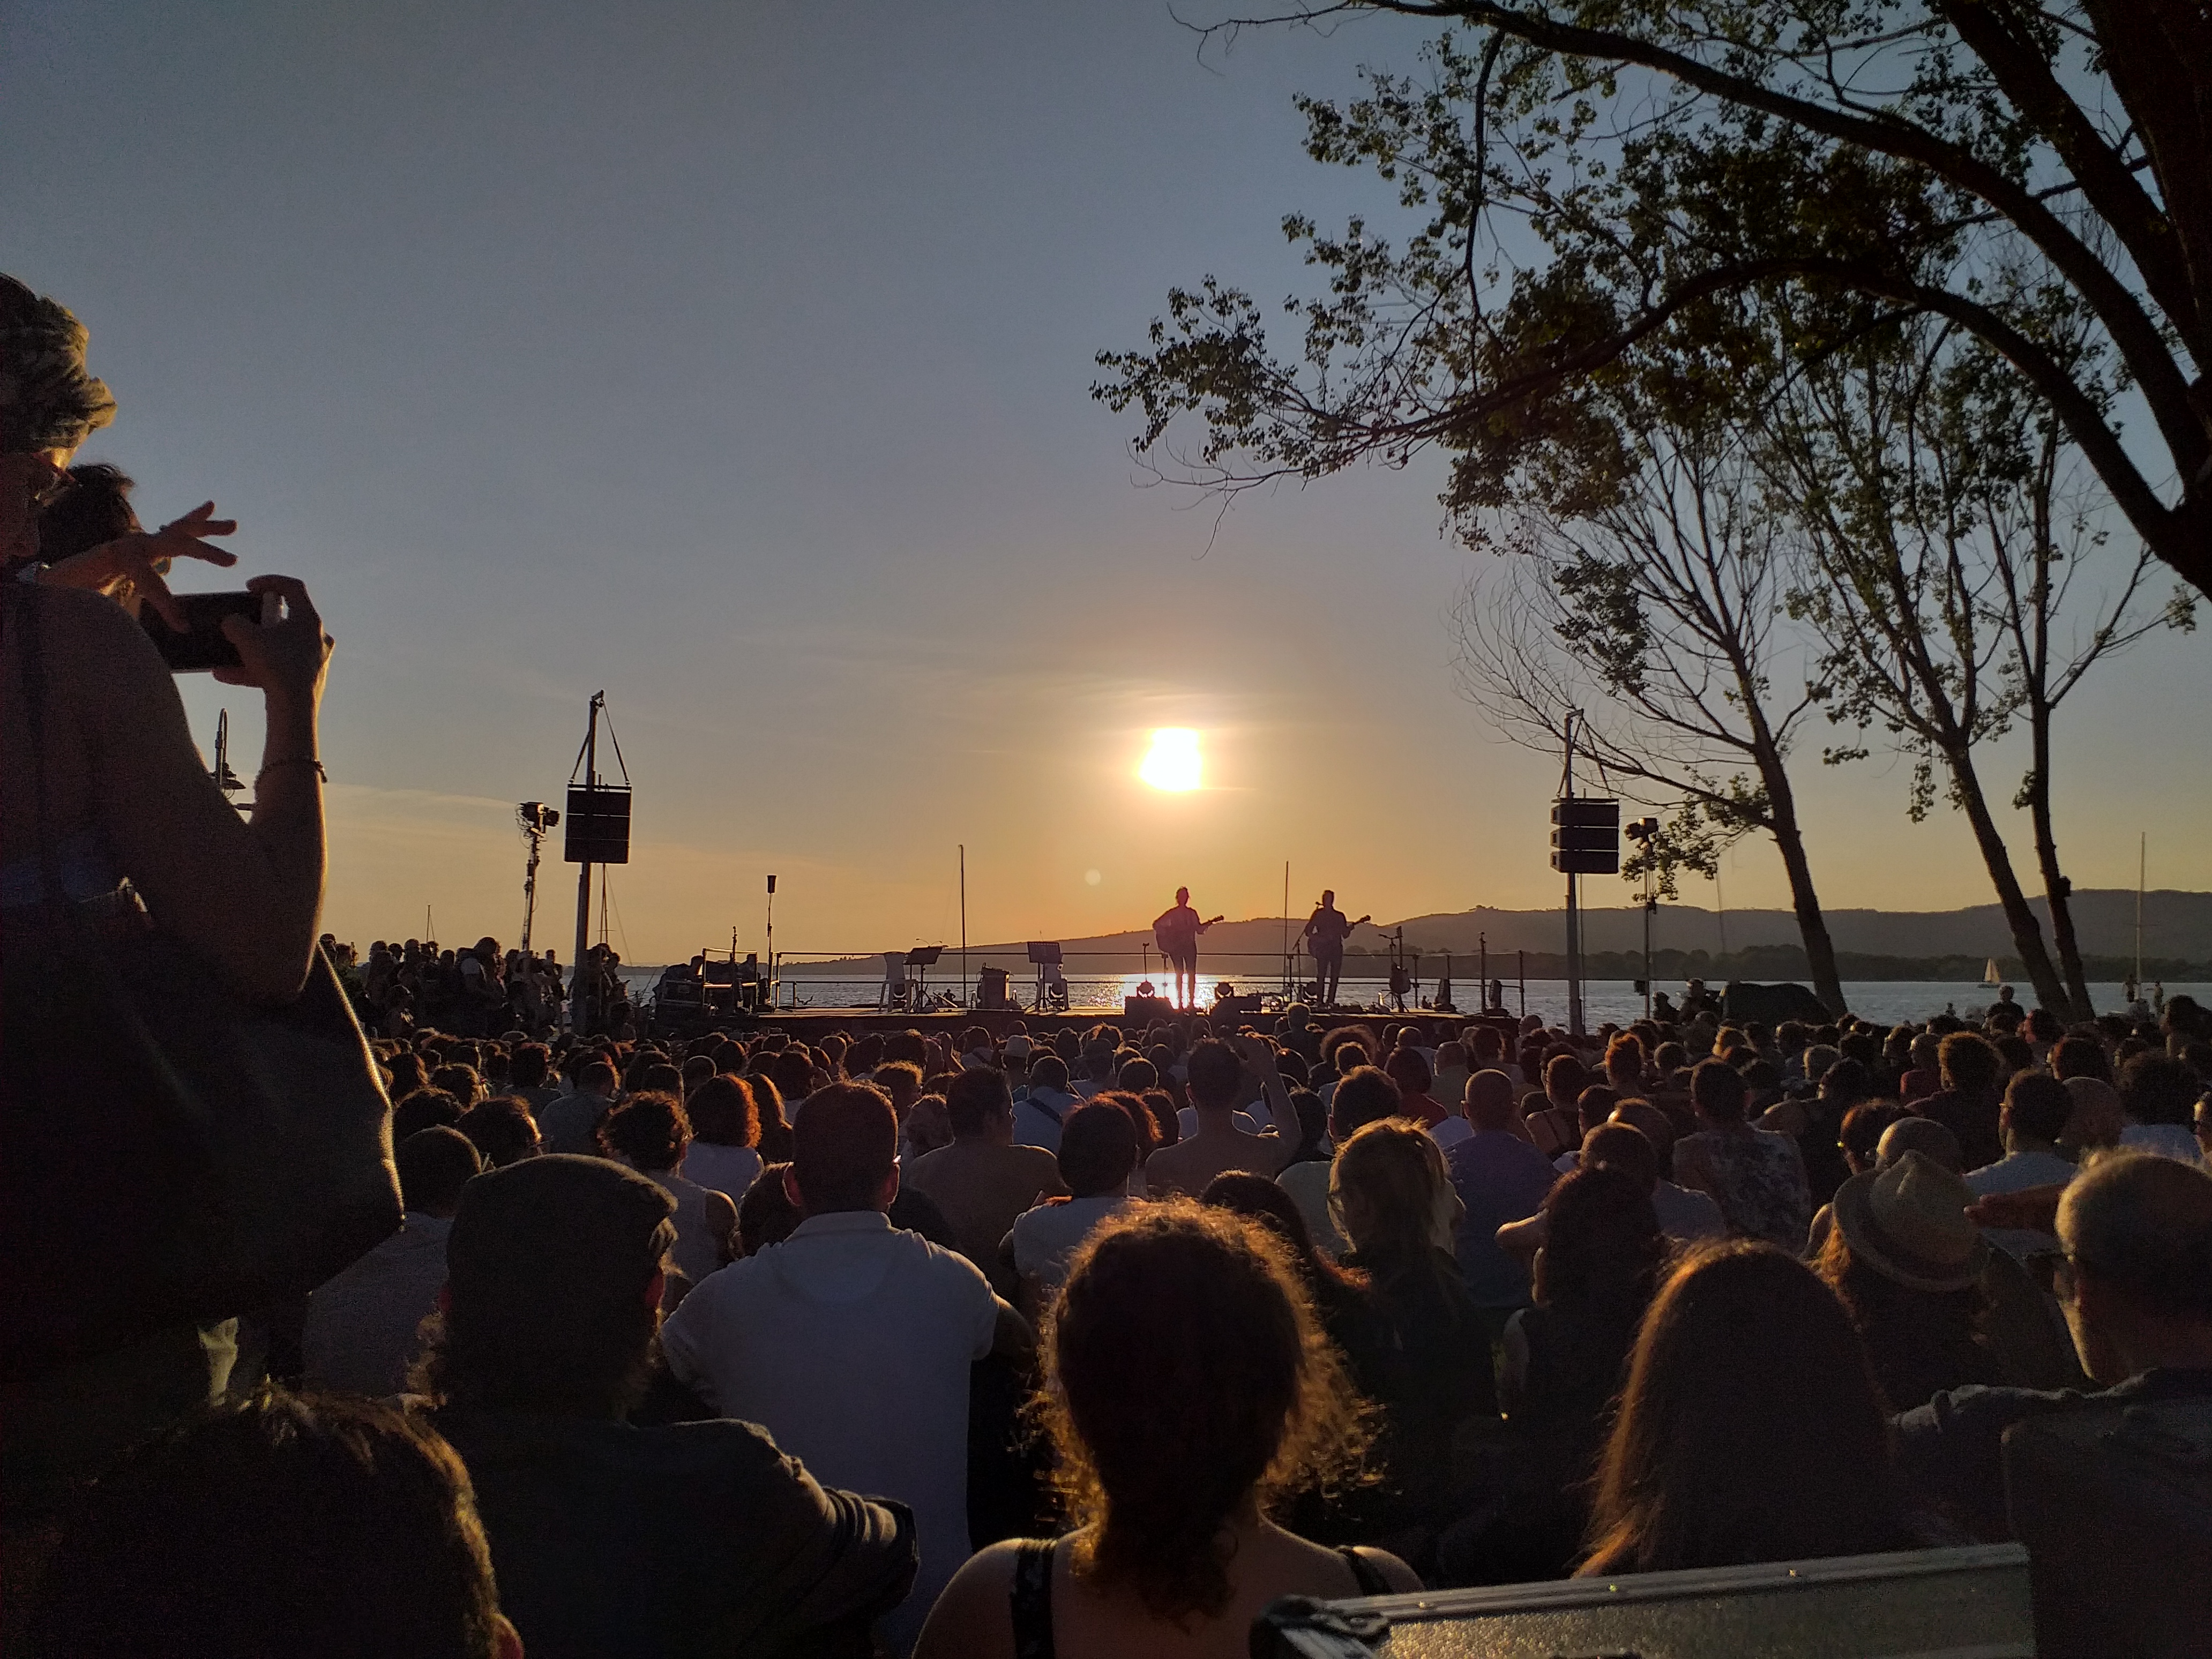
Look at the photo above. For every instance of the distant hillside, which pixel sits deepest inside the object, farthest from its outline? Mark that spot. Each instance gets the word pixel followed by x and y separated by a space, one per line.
pixel 1876 943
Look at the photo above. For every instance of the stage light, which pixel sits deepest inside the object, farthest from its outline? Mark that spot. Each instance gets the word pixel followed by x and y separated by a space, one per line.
pixel 1172 764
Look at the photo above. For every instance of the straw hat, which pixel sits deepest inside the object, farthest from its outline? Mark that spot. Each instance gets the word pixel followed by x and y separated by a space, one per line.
pixel 1909 1224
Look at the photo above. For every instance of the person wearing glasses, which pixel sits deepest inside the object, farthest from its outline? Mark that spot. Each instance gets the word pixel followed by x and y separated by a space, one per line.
pixel 2135 1281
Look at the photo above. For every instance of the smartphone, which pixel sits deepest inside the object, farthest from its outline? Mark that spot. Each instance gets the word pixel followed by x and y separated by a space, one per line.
pixel 201 646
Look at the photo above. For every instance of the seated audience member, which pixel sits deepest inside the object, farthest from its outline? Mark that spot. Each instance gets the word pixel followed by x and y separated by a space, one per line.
pixel 1554 1123
pixel 2136 1283
pixel 360 1334
pixel 1364 1095
pixel 1426 1364
pixel 2036 1111
pixel 2156 1095
pixel 1750 1428
pixel 1188 1389
pixel 612 1538
pixel 1098 1151
pixel 1967 1104
pixel 651 1134
pixel 774 1142
pixel 1757 1178
pixel 1565 1359
pixel 571 1123
pixel 502 1130
pixel 767 1214
pixel 425 1108
pixel 1499 1177
pixel 851 1342
pixel 529 1075
pixel 1683 1215
pixel 1340 1299
pixel 1409 1070
pixel 1218 1073
pixel 982 1182
pixel 1041 1113
pixel 283 1525
pixel 724 1156
pixel 1907 1264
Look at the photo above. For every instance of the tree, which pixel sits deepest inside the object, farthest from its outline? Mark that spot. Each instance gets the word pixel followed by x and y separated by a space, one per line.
pixel 1934 572
pixel 2039 558
pixel 1956 159
pixel 1656 618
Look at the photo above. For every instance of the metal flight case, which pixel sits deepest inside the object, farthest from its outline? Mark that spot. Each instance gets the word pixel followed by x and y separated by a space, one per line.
pixel 1970 1603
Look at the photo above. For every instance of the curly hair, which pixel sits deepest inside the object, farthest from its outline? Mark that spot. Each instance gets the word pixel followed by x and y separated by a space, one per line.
pixel 650 1131
pixel 1203 1307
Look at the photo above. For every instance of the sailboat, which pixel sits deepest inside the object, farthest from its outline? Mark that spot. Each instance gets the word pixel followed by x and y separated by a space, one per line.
pixel 1990 975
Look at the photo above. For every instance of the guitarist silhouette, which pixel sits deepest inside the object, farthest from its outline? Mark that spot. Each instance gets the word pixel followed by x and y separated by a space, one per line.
pixel 1176 931
pixel 1325 934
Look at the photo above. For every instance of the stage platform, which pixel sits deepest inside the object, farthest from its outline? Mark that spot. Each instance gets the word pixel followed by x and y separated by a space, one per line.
pixel 1001 1022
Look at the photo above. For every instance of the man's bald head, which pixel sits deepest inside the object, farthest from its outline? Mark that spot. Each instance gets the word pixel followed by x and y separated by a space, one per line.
pixel 1490 1100
pixel 2143 1225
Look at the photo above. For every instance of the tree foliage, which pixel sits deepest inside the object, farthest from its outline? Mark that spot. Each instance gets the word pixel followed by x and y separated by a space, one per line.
pixel 1579 179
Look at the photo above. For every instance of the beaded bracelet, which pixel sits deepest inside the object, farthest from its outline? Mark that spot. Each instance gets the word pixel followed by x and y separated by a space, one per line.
pixel 297 760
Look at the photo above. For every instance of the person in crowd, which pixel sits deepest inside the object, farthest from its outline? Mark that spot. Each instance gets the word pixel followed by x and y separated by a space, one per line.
pixel 1097 1154
pixel 1968 1102
pixel 724 1156
pixel 1555 1124
pixel 108 816
pixel 851 1342
pixel 650 1133
pixel 1749 1430
pixel 2136 1284
pixel 1339 1297
pixel 1173 1550
pixel 1498 1177
pixel 530 1076
pixel 1042 1113
pixel 776 1137
pixel 2157 1092
pixel 1565 1359
pixel 1219 1075
pixel 1684 1217
pixel 982 1182
pixel 571 1124
pixel 2036 1111
pixel 767 1214
pixel 360 1334
pixel 1364 1095
pixel 1427 1364
pixel 283 1524
pixel 425 1108
pixel 1907 1264
pixel 1408 1069
pixel 502 1130
pixel 1758 1179
pixel 609 1537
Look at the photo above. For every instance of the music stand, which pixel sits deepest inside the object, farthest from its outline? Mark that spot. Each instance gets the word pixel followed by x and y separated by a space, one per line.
pixel 923 956
pixel 1044 953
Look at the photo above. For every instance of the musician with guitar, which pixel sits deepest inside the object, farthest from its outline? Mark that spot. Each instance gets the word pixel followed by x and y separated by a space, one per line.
pixel 1176 931
pixel 1326 931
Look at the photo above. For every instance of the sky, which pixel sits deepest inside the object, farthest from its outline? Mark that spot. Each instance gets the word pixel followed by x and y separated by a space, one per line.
pixel 734 359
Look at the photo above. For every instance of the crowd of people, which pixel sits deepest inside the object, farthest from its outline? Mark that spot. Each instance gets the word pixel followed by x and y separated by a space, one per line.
pixel 987 1341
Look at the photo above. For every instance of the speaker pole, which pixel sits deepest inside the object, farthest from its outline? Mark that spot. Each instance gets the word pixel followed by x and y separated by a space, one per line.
pixel 576 1012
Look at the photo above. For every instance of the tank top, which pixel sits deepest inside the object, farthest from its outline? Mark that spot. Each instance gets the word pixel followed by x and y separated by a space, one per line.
pixel 1031 1595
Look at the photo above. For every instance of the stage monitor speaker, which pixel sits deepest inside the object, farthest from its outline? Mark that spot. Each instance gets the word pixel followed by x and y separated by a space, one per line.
pixel 1586 836
pixel 1917 1602
pixel 598 825
pixel 2115 1506
pixel 1148 1008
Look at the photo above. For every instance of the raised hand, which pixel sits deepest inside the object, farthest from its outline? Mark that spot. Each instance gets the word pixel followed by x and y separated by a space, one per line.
pixel 130 569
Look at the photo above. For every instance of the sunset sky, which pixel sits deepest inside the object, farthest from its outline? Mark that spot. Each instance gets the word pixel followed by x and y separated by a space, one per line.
pixel 734 358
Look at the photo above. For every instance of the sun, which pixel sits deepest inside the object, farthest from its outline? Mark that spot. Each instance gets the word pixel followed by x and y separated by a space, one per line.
pixel 1172 763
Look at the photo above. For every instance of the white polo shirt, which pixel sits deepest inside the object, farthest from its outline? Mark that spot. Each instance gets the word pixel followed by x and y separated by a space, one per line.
pixel 850 1343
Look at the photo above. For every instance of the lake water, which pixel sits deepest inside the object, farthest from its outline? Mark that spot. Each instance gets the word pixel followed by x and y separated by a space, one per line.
pixel 1884 1002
